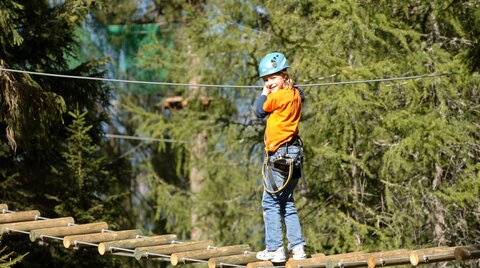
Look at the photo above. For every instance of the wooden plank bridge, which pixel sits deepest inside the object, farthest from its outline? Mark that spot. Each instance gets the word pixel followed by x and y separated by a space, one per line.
pixel 167 247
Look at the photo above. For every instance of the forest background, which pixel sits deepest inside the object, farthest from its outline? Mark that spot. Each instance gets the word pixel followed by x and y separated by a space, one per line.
pixel 389 165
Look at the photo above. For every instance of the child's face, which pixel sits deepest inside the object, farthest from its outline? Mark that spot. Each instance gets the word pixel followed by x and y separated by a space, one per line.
pixel 274 82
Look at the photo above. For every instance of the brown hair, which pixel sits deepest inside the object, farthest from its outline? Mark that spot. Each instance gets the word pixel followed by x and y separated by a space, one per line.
pixel 288 80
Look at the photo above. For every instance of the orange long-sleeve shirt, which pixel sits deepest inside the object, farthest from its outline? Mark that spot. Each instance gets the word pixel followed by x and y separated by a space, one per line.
pixel 285 108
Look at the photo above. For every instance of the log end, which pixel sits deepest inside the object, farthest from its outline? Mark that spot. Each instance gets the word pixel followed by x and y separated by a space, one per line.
pixel 371 262
pixel 139 254
pixel 66 242
pixel 414 258
pixel 212 263
pixel 461 254
pixel 289 264
pixel 34 236
pixel 101 248
pixel 174 259
pixel 4 230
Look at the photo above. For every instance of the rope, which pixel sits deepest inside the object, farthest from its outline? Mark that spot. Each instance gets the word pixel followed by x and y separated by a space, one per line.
pixel 223 86
pixel 123 80
pixel 128 137
pixel 380 80
pixel 265 165
pixel 221 265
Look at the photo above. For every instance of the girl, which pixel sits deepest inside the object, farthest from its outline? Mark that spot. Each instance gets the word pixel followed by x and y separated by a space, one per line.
pixel 282 103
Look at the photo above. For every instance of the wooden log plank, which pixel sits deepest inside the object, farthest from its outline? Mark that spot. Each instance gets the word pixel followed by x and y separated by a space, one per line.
pixel 353 263
pixel 72 240
pixel 340 255
pixel 291 263
pixel 234 259
pixel 331 259
pixel 183 257
pixel 105 247
pixel 467 252
pixel 316 255
pixel 143 252
pixel 29 215
pixel 388 258
pixel 426 255
pixel 68 230
pixel 259 264
pixel 31 225
pixel 3 207
pixel 350 259
pixel 355 259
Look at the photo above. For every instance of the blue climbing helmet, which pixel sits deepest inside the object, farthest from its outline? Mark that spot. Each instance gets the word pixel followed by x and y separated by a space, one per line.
pixel 272 63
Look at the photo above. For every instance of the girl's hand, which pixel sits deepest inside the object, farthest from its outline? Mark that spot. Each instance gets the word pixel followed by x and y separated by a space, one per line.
pixel 265 91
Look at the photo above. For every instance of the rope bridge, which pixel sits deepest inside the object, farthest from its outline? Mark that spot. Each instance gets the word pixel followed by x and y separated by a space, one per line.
pixel 167 247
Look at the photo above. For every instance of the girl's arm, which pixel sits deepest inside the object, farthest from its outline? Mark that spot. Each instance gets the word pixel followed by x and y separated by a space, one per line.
pixel 302 95
pixel 258 104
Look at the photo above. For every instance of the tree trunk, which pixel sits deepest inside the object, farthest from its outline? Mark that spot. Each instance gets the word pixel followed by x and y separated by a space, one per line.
pixel 197 159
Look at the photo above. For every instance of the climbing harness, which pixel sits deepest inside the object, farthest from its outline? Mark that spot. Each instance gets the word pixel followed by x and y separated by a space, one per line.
pixel 284 163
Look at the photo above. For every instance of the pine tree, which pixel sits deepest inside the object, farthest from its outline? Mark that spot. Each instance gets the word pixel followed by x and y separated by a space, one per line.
pixel 86 183
pixel 39 36
pixel 83 176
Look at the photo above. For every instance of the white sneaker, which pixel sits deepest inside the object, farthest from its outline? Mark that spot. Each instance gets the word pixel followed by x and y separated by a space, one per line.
pixel 298 253
pixel 273 256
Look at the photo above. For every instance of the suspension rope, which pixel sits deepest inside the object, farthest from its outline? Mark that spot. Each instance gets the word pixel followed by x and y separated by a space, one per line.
pixel 123 80
pixel 128 137
pixel 224 86
pixel 380 80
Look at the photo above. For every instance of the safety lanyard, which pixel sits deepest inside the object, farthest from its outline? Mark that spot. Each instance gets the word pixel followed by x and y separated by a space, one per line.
pixel 268 167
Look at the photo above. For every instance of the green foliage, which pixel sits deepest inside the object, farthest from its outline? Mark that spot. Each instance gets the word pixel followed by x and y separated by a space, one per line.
pixel 10 36
pixel 387 164
pixel 86 182
pixel 6 258
pixel 37 170
pixel 83 177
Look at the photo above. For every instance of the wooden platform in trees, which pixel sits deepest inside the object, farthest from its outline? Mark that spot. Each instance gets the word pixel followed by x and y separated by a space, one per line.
pixel 167 247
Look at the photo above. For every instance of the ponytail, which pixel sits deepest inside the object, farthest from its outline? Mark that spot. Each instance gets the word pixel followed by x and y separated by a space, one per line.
pixel 288 80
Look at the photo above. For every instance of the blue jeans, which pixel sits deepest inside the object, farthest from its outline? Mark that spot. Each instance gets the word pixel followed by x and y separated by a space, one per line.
pixel 281 206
